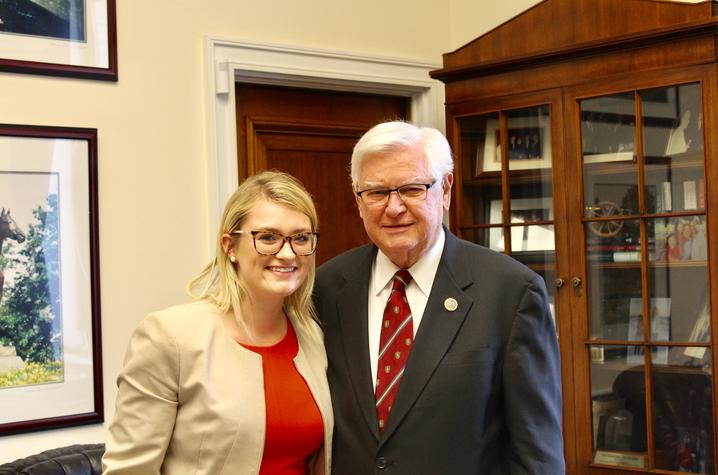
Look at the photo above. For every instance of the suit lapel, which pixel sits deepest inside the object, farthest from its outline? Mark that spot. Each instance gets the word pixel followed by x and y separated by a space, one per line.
pixel 438 328
pixel 352 309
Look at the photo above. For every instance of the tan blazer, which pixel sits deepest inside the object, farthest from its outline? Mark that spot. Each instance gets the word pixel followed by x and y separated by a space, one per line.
pixel 191 401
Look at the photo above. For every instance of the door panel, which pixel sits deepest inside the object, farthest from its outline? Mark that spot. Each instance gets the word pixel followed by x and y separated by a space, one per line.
pixel 310 134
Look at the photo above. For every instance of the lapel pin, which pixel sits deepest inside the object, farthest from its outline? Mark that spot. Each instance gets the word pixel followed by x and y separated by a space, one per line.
pixel 451 304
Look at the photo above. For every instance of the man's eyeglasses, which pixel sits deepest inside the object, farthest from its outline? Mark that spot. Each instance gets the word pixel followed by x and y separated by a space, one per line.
pixel 411 193
pixel 268 243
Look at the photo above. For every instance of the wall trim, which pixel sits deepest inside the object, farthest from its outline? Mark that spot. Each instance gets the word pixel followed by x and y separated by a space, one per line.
pixel 229 61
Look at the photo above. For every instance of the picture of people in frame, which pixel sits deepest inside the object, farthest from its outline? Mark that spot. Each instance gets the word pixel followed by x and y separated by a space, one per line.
pixel 524 143
pixel 680 239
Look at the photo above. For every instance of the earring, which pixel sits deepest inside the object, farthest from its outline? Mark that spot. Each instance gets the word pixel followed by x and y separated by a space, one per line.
pixel 232 259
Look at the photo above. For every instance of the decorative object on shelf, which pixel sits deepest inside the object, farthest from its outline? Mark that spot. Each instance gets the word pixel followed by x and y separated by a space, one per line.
pixel 676 140
pixel 687 136
pixel 660 322
pixel 50 309
pixel 74 38
pixel 618 430
pixel 598 355
pixel 533 237
pixel 604 209
pixel 701 332
pixel 625 459
pixel 601 406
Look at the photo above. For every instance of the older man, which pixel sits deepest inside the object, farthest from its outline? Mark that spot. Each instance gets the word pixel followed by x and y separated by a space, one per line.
pixel 443 357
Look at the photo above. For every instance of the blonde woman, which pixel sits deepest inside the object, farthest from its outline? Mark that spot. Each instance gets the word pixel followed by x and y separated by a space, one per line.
pixel 233 382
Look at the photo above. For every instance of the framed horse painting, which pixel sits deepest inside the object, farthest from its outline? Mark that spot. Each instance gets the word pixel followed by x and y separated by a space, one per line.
pixel 50 340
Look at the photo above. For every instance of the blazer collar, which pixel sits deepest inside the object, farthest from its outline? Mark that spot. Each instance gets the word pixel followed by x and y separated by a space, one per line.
pixel 352 309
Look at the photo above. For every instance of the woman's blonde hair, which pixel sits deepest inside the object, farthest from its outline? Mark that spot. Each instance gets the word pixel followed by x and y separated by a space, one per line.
pixel 219 281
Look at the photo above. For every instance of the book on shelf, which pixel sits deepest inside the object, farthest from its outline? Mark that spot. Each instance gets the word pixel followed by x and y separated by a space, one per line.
pixel 478 161
pixel 666 198
pixel 613 247
pixel 626 256
pixel 690 199
pixel 701 192
pixel 615 256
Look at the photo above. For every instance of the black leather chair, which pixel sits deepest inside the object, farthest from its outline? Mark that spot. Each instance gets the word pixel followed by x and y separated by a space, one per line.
pixel 80 459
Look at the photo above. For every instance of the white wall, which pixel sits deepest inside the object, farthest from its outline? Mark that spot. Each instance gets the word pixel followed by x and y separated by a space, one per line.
pixel 152 154
pixel 470 19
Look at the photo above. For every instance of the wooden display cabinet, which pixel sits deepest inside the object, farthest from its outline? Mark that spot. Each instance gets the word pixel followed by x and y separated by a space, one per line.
pixel 579 129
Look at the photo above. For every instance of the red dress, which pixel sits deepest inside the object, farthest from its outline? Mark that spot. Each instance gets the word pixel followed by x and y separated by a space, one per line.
pixel 295 429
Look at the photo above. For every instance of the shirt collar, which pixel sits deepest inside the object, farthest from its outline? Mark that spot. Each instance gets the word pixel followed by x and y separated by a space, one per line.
pixel 422 272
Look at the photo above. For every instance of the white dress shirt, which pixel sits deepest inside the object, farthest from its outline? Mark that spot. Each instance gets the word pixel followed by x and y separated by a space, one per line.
pixel 417 293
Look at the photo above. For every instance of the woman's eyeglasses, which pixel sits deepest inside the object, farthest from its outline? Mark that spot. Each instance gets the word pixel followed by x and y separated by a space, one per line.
pixel 269 243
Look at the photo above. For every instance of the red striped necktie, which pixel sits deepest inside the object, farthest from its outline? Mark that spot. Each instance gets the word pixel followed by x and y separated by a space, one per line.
pixel 397 336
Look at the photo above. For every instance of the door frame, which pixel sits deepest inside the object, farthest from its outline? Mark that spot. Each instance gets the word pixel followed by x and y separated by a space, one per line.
pixel 230 61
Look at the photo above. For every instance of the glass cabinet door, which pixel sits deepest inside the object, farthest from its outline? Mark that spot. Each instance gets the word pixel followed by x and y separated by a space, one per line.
pixel 648 304
pixel 507 187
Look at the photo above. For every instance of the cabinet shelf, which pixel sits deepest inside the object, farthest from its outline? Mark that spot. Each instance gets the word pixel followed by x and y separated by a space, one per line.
pixel 515 176
pixel 651 264
pixel 679 160
pixel 649 343
pixel 653 165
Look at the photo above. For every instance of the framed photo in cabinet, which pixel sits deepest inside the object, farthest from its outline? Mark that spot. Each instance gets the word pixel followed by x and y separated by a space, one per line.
pixel 680 239
pixel 74 38
pixel 528 145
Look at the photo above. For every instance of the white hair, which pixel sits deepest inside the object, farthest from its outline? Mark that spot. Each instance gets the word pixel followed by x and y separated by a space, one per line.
pixel 400 135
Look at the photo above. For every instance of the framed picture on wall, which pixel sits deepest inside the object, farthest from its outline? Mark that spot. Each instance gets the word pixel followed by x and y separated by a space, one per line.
pixel 50 340
pixel 75 38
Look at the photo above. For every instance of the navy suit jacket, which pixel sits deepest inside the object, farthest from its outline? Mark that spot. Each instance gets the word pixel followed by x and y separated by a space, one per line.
pixel 481 390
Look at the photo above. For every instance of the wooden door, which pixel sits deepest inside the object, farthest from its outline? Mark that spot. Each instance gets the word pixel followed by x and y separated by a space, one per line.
pixel 310 134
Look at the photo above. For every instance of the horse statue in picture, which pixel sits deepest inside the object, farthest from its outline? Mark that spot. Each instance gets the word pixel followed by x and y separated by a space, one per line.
pixel 8 230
